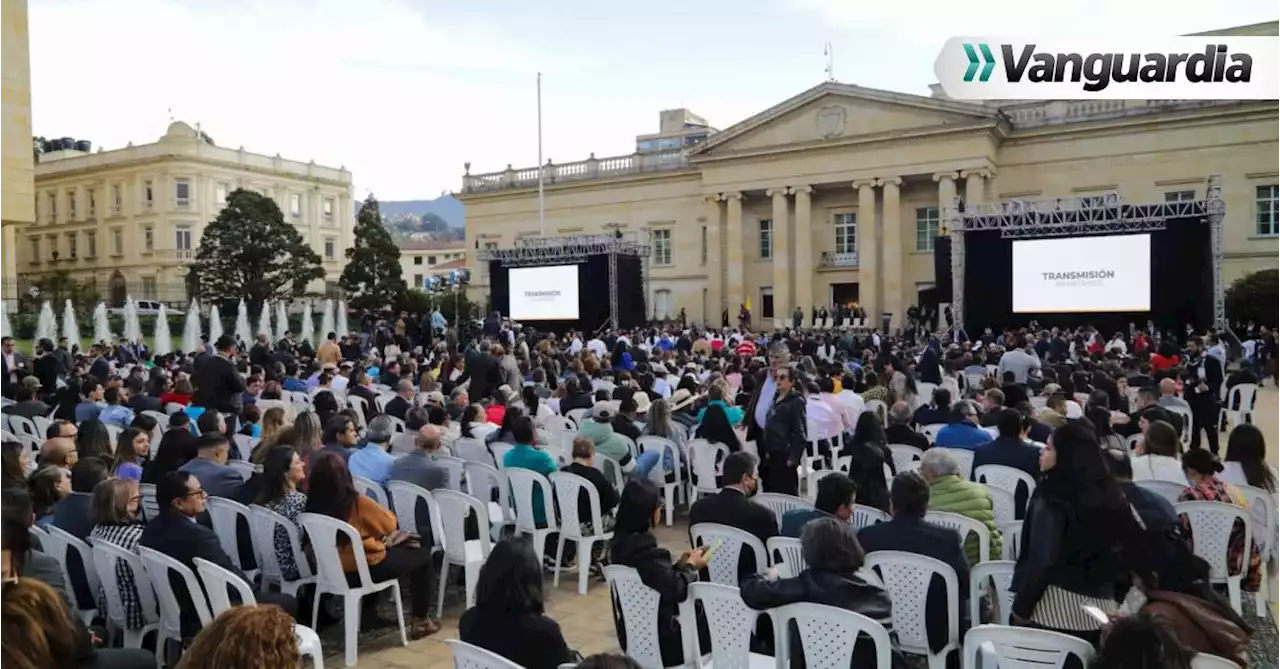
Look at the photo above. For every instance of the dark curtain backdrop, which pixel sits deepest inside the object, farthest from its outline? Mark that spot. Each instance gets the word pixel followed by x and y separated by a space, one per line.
pixel 593 294
pixel 1181 283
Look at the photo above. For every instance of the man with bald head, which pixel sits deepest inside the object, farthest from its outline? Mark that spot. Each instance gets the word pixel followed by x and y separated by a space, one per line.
pixel 58 452
pixel 1169 395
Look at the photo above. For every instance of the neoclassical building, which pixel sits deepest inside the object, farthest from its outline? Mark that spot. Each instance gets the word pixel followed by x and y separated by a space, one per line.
pixel 835 195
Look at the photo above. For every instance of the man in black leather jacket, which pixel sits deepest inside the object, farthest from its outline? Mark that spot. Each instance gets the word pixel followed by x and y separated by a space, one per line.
pixel 785 436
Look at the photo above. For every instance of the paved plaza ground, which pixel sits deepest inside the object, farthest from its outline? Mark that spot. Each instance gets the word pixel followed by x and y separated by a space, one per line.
pixel 587 621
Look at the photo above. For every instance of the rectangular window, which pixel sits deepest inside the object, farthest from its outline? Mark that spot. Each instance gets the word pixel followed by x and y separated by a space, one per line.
pixel 491 246
pixel 182 238
pixel 149 291
pixel 220 194
pixel 662 246
pixel 53 207
pixel 117 242
pixel 329 248
pixel 1268 210
pixel 71 205
pixel 846 226
pixel 91 244
pixel 417 281
pixel 182 192
pixel 93 203
pixel 766 302
pixel 148 238
pixel 766 239
pixel 1180 196
pixel 148 192
pixel 1093 202
pixel 431 260
pixel 71 245
pixel 117 198
pixel 35 249
pixel 417 260
pixel 328 207
pixel 926 227
pixel 704 245
pixel 295 204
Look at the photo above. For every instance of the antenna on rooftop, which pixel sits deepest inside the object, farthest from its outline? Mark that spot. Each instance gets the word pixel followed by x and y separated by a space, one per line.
pixel 830 53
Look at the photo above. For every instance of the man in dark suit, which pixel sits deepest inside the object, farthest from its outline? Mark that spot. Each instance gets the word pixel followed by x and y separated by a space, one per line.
pixel 139 400
pixel 12 366
pixel 732 506
pixel 219 386
pixel 1011 449
pixel 908 531
pixel 75 512
pixel 48 368
pixel 484 372
pixel 402 402
pixel 181 499
pixel 936 412
pixel 1201 385
pixel 210 466
pixel 1014 392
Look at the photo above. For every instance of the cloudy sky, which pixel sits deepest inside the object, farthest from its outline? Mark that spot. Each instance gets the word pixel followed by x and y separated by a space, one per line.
pixel 403 92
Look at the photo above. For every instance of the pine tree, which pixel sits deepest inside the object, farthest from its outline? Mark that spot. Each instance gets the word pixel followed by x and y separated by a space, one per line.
pixel 249 252
pixel 372 277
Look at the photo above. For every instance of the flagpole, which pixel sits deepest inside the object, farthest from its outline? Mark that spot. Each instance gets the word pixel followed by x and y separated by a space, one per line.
pixel 542 212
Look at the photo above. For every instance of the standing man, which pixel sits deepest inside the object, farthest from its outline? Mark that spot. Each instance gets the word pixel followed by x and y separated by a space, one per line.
pixel 1201 385
pixel 13 362
pixel 219 385
pixel 784 436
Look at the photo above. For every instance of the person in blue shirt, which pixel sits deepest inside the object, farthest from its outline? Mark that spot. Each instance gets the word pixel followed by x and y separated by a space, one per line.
pixel 373 461
pixel 963 430
pixel 526 456
pixel 91 403
pixel 716 395
pixel 116 413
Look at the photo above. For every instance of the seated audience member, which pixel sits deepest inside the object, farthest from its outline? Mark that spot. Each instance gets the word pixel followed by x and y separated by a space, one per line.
pixel 132 449
pixel 29 403
pixel 116 520
pixel 716 429
pixel 422 467
pixel 908 531
pixel 91 403
pixel 599 429
pixel 1202 469
pixel 391 553
pixel 625 422
pixel 527 456
pixel 117 411
pixel 48 486
pixel 1054 413
pixel 869 450
pixel 181 394
pixel 175 533
pixel 1143 640
pixel 963 431
pixel 936 411
pixel 210 466
pixel 245 636
pixel 635 546
pixel 177 446
pixel 373 461
pixel 1246 460
pixel 403 401
pixel 39 630
pixel 732 506
pixel 1014 393
pixel 992 403
pixel 93 440
pixel 1036 431
pixel 835 499
pixel 950 493
pixel 900 431
pixel 1148 397
pixel 23 558
pixel 583 465
pixel 1011 449
pixel 16 458
pixel 75 512
pixel 509 617
pixel 59 452
pixel 340 436
pixel 1157 455
pixel 282 472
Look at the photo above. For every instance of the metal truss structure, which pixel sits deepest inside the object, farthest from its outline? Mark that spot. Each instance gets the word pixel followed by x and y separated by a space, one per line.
pixel 536 251
pixel 1078 216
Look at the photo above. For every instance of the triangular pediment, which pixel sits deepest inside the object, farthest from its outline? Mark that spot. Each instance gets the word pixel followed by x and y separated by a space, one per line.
pixel 834 112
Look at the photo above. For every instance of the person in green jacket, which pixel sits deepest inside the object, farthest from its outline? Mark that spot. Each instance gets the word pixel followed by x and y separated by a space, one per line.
pixel 949 492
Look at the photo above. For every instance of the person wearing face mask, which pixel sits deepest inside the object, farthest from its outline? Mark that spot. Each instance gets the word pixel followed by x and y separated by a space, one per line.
pixel 732 506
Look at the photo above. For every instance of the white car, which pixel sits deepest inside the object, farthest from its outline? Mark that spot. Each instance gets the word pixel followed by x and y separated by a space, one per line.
pixel 148 308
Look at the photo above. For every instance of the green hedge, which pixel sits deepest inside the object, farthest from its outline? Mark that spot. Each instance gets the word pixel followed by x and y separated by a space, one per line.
pixel 23 326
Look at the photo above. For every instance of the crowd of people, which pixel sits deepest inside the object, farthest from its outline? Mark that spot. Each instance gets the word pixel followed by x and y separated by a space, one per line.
pixel 298 430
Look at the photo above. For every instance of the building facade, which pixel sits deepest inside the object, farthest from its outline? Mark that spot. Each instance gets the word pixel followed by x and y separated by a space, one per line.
pixel 18 173
pixel 836 195
pixel 131 219
pixel 421 259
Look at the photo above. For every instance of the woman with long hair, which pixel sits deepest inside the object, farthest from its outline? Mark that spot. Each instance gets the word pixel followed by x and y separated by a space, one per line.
pixel 94 441
pixel 325 405
pixel 391 553
pixel 177 446
pixel 1143 641
pixel 506 433
pixel 1080 540
pixel 1202 468
pixel 659 422
pixel 273 420
pixel 870 453
pixel 472 417
pixel 115 520
pixel 15 459
pixel 716 429
pixel 1246 459
pixel 509 617
pixel 902 382
pixel 1100 417
pixel 282 472
pixel 635 546
pixel 307 434
pixel 132 448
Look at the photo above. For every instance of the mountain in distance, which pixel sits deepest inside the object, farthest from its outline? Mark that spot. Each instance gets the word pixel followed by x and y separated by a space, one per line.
pixel 442 218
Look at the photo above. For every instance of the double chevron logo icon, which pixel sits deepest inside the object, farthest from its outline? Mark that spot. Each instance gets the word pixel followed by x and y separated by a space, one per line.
pixel 987 61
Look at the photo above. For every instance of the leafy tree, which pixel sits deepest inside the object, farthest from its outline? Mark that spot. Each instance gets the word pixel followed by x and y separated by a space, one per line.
pixel 249 252
pixel 372 277
pixel 1253 297
pixel 57 288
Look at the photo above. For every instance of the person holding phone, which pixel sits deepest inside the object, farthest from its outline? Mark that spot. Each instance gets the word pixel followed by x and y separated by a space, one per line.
pixel 635 546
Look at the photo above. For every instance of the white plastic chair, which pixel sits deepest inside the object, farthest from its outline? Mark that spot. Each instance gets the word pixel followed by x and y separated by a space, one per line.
pixel 557 424
pixel 1263 509
pixel 904 455
pixel 331 579
pixel 57 544
pixel 245 444
pixel 404 499
pixel 360 405
pixel 371 489
pixel 1010 539
pixel 1005 478
pixel 964 525
pixel 963 457
pixel 1166 489
pixel 267 526
pixel 1242 395
pixel 468 656
pixel 1207 661
pixel 1003 505
pixel 150 507
pixel 471 450
pixel 674 490
pixel 930 431
pixel 1132 442
pixel 522 482
pixel 224 513
pixel 866 516
pixel 1000 574
pixel 482 480
pixel 1014 647
pixel 611 469
pixel 1211 527
pixel 568 487
pixel 723 565
pixel 577 416
pixel 108 559
pixel 705 456
pixel 637 605
pixel 906 577
pixel 780 503
pixel 25 427
pixel 216 582
pixel 828 635
pixel 245 469
pixel 403 444
pixel 786 555
pixel 1185 415
pixel 454 507
pixel 730 622
pixel 158 565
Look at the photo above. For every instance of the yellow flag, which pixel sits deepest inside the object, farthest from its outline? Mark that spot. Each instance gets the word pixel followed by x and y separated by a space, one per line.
pixel 748 304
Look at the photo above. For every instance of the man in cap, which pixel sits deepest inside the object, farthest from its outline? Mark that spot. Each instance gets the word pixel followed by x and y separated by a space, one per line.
pixel 599 429
pixel 29 404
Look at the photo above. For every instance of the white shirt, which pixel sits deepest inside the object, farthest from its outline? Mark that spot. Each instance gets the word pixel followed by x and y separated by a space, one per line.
pixel 1158 468
pixel 575 346
pixel 823 422
pixel 844 413
pixel 853 405
pixel 597 346
pixel 1118 345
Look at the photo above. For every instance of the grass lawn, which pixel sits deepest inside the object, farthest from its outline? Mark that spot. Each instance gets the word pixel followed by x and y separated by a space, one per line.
pixel 28 346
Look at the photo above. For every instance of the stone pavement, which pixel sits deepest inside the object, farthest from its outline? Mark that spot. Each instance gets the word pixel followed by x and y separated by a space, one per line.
pixel 587 620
